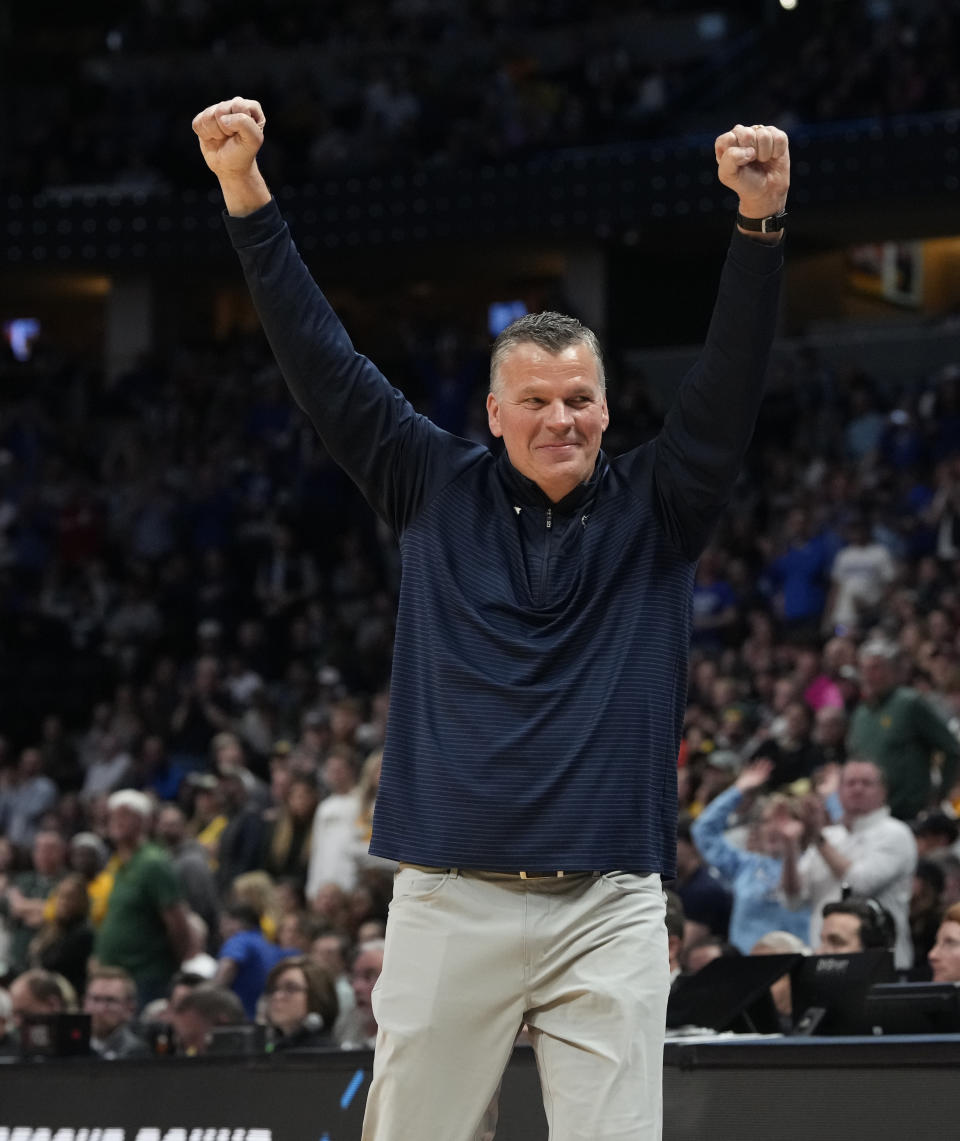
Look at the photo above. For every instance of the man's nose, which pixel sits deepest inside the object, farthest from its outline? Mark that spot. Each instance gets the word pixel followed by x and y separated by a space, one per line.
pixel 559 416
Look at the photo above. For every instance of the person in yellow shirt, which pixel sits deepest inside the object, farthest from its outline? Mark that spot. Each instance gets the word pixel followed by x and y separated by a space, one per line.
pixel 208 820
pixel 89 856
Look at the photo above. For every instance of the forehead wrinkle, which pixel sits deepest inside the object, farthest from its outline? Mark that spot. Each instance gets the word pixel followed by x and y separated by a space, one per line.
pixel 573 359
pixel 574 385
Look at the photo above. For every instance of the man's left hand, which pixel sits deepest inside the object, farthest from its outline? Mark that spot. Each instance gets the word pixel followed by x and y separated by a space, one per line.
pixel 754 162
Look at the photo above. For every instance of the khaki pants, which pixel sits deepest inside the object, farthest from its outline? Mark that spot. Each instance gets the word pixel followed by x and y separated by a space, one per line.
pixel 470 956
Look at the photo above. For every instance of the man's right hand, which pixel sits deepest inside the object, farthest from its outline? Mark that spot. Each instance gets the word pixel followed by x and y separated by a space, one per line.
pixel 231 134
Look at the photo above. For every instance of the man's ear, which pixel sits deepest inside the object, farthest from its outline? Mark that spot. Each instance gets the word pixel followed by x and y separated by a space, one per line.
pixel 493 415
pixel 606 415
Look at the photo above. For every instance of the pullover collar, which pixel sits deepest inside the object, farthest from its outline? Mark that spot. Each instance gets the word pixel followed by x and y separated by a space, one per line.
pixel 530 493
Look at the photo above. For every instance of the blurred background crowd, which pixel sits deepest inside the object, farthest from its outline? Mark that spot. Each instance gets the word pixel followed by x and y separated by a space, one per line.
pixel 196 613
pixel 438 83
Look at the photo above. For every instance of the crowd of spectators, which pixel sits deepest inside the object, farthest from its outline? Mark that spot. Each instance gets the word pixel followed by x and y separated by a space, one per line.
pixel 414 84
pixel 823 727
pixel 199 623
pixel 197 634
pixel 196 615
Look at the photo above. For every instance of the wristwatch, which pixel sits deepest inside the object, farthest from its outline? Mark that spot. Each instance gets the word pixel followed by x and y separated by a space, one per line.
pixel 772 224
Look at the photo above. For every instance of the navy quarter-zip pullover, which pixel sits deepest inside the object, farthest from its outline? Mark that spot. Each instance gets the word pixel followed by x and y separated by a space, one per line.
pixel 540 664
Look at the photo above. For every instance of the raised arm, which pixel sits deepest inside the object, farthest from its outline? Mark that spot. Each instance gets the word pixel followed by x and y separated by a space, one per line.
pixel 707 832
pixel 396 457
pixel 708 428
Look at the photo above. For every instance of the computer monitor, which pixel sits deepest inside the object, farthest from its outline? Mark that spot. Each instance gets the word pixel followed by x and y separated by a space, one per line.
pixel 730 994
pixel 249 1038
pixel 830 991
pixel 914 1008
pixel 55 1035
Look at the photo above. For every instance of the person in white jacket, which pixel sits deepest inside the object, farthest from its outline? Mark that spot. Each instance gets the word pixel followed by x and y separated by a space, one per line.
pixel 333 845
pixel 868 851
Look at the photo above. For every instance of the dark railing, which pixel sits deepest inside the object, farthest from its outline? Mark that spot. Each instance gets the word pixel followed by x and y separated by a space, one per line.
pixel 597 193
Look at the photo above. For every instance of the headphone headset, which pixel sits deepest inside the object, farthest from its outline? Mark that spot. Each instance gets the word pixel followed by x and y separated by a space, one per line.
pixel 877 926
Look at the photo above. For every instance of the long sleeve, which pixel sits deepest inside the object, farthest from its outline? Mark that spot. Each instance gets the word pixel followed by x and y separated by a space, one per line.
pixel 708 429
pixel 332 844
pixel 889 859
pixel 395 456
pixel 708 834
pixel 931 727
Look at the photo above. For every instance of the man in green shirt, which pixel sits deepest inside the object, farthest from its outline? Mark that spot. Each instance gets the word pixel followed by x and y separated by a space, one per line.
pixel 145 927
pixel 899 730
pixel 25 900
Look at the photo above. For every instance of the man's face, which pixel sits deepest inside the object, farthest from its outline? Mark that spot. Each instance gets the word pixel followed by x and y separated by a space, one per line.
pixel 861 788
pixel 109 1005
pixel 49 853
pixel 698 957
pixel 328 952
pixel 84 859
pixel 229 927
pixel 337 774
pixel 797 722
pixel 366 971
pixel 170 827
pixel 876 675
pixel 124 826
pixel 232 792
pixel 840 935
pixel 31 763
pixel 228 754
pixel 24 1003
pixel 192 1030
pixel 830 726
pixel 206 805
pixel 551 414
pixel 945 955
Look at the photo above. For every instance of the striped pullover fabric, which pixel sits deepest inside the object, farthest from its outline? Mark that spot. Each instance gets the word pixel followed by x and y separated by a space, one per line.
pixel 540 664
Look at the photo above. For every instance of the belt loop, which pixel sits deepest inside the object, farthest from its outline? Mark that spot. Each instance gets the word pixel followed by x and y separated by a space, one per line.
pixel 453 872
pixel 523 875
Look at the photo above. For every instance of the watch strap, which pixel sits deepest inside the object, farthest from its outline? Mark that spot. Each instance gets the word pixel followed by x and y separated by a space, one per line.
pixel 772 224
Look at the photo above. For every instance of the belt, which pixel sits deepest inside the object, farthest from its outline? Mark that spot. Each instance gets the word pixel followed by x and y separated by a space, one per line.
pixel 496 872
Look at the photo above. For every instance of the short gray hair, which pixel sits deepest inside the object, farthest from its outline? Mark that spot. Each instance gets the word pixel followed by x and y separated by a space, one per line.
pixel 137 802
pixel 551 331
pixel 781 943
pixel 879 648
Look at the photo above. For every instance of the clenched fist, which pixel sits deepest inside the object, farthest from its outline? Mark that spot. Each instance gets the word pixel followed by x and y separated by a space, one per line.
pixel 231 134
pixel 754 162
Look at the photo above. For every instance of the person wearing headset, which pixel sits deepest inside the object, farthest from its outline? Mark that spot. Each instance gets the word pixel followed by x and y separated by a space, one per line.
pixel 301 1005
pixel 856 923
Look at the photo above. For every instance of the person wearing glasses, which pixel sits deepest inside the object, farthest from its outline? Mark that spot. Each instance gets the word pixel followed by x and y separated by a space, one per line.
pixel 111 1002
pixel 301 1006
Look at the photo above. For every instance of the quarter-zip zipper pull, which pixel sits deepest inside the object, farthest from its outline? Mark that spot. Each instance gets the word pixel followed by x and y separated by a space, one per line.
pixel 549 518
